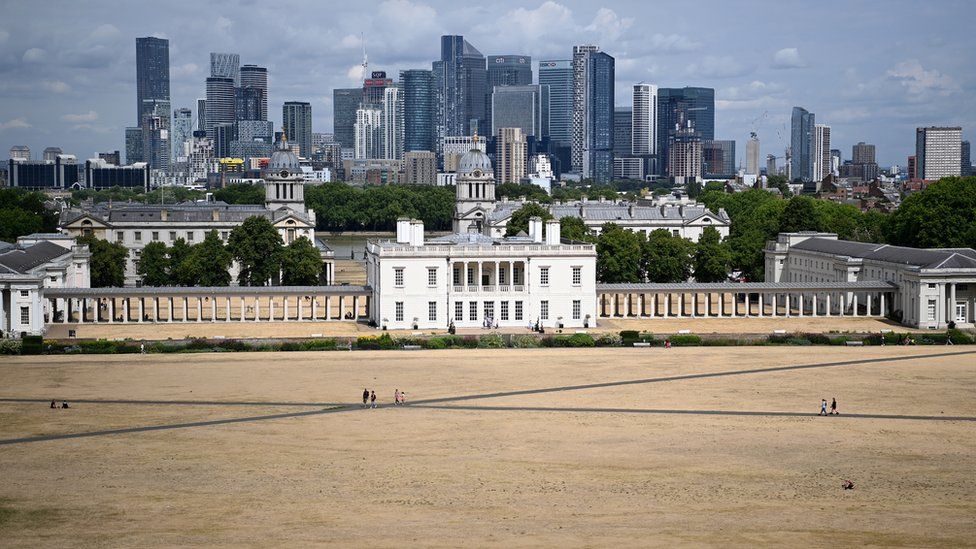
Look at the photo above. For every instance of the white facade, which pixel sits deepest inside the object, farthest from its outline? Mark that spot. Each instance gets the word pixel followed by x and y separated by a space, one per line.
pixel 821 153
pixel 469 280
pixel 644 120
pixel 392 123
pixel 453 147
pixel 752 156
pixel 938 152
pixel 368 133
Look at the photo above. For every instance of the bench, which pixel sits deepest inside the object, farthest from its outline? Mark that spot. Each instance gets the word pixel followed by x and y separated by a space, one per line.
pixel 581 332
pixel 412 347
pixel 779 332
pixel 316 335
pixel 684 331
pixel 641 344
pixel 854 343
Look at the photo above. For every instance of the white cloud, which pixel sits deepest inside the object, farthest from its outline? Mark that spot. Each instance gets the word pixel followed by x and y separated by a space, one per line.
pixel 104 32
pixel 848 114
pixel 607 24
pixel 15 124
pixel 55 86
pixel 34 55
pixel 718 67
pixel 223 24
pixel 89 116
pixel 350 41
pixel 919 81
pixel 355 74
pixel 671 43
pixel 186 69
pixel 788 58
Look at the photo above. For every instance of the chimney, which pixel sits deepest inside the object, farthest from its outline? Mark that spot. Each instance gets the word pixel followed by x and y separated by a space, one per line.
pixel 416 233
pixel 215 215
pixel 681 210
pixel 630 210
pixel 163 215
pixel 603 199
pixel 552 232
pixel 582 211
pixel 403 230
pixel 535 229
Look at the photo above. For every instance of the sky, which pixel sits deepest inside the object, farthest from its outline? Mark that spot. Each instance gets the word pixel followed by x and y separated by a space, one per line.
pixel 872 70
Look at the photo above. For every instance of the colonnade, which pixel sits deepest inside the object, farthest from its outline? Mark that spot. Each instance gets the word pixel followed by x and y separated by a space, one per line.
pixel 503 275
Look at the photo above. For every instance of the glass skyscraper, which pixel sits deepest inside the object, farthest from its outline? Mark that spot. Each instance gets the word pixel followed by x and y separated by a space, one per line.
pixel 718 158
pixel 522 107
pixel 558 76
pixel 460 84
pixel 505 70
pixel 694 104
pixel 802 144
pixel 254 93
pixel 419 110
pixel 221 99
pixel 345 102
pixel 623 133
pixel 182 131
pixel 296 117
pixel 152 97
pixel 226 65
pixel 598 117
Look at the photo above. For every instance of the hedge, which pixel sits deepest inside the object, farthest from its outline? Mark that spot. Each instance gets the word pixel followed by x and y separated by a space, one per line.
pixel 575 340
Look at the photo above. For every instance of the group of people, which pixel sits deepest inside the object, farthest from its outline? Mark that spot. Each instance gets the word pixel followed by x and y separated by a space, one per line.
pixel 55 405
pixel 833 407
pixel 489 323
pixel 369 398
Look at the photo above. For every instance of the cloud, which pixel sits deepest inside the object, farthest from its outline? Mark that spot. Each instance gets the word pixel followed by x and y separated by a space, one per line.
pixel 89 116
pixel 788 58
pixel 34 55
pixel 223 24
pixel 350 41
pixel 15 124
pixel 355 74
pixel 55 86
pixel 104 32
pixel 608 25
pixel 919 81
pixel 186 69
pixel 4 36
pixel 718 67
pixel 848 114
pixel 671 43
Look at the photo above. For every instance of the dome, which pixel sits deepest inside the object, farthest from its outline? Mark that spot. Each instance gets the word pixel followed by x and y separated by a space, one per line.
pixel 475 161
pixel 283 160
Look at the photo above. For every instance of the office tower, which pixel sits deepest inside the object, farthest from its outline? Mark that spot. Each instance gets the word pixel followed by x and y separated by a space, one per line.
pixel 522 107
pixel 253 139
pixel 863 153
pixel 392 123
pixel 51 153
pixel 581 56
pixel 912 168
pixel 345 102
pixel 623 127
pixel 718 158
pixel 420 167
pixel 155 126
pixel 419 110
pixel 690 104
pixel 505 70
pixel 202 115
pixel 644 124
pixel 296 118
pixel 152 73
pixel 685 152
pixel 938 152
pixel 512 154
pixel 220 103
pixel 226 65
pixel 20 152
pixel 369 133
pixel 254 93
pixel 558 76
pixel 224 135
pixel 113 158
pixel 801 145
pixel 460 84
pixel 966 161
pixel 770 165
pixel 863 163
pixel 133 144
pixel 182 131
pixel 453 147
pixel 821 153
pixel 593 82
pixel 752 155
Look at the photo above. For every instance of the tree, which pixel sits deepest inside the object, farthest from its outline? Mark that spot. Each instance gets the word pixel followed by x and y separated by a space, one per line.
pixel 107 263
pixel 801 214
pixel 712 257
pixel 619 255
pixel 520 219
pixel 516 190
pixel 256 245
pixel 301 264
pixel 209 261
pixel 241 193
pixel 23 213
pixel 942 215
pixel 667 258
pixel 574 228
pixel 154 265
pixel 693 188
pixel 779 182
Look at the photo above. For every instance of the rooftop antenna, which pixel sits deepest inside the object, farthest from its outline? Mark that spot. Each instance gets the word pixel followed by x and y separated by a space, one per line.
pixel 362 38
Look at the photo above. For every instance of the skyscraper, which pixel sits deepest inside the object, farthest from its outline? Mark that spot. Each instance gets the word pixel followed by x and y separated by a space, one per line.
pixel 133 144
pixel 966 160
pixel 296 117
pixel 152 95
pixel 374 88
pixel 182 131
pixel 392 123
pixel 863 153
pixel 220 103
pixel 718 158
pixel 581 56
pixel 460 82
pixel 254 93
pixel 512 156
pixel 505 70
pixel 345 102
pixel 685 152
pixel 598 99
pixel 369 133
pixel 644 126
pixel 202 115
pixel 938 152
pixel 752 155
pixel 226 65
pixel 821 153
pixel 419 110
pixel 802 145
pixel 623 127
pixel 522 107
pixel 558 76
pixel 674 104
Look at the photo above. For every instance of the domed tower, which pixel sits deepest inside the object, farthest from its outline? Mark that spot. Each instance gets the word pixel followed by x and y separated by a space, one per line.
pixel 475 194
pixel 284 182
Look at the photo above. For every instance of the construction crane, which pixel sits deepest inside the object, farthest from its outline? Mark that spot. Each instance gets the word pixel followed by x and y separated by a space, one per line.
pixel 365 63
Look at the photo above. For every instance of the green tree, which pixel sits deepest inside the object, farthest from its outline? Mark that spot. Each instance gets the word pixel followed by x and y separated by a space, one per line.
pixel 256 245
pixel 801 214
pixel 180 270
pixel 693 188
pixel 942 215
pixel 520 219
pixel 779 182
pixel 515 190
pixel 301 264
pixel 574 228
pixel 241 193
pixel 667 258
pixel 712 257
pixel 619 255
pixel 23 213
pixel 153 265
pixel 107 263
pixel 208 262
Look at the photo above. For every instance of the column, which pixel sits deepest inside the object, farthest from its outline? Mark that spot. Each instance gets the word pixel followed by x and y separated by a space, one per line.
pixel 199 309
pixel 243 309
pixel 226 308
pixel 328 308
pixel 355 308
pixel 773 308
pixel 477 281
pixel 142 310
pixel 827 303
pixel 952 302
pixel 760 304
pixel 843 302
pixel 315 315
pixel 213 308
pixel 870 311
pixel 342 307
pixel 681 304
pixel 111 310
pixel 511 274
pixel 667 305
pixel 881 296
pixel 169 309
pixel 257 308
pixel 854 302
pixel 653 311
pixel 186 305
pixel 799 306
pixel 271 308
pixel 284 308
pixel 813 310
pixel 734 304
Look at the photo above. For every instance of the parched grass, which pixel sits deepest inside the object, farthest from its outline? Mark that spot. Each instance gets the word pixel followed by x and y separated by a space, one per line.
pixel 13 518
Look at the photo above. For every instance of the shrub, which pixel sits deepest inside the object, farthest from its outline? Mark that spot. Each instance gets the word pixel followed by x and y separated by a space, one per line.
pixel 10 346
pixel 959 336
pixel 31 345
pixel 609 340
pixel 384 342
pixel 491 341
pixel 198 345
pixel 575 340
pixel 233 345
pixel 435 343
pixel 719 342
pixel 629 334
pixel 523 341
pixel 685 340
pixel 97 347
pixel 319 345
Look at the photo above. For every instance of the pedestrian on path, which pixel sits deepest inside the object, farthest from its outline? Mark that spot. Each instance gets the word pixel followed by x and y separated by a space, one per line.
pixel 823 407
pixel 365 397
pixel 396 397
pixel 372 399
pixel 833 406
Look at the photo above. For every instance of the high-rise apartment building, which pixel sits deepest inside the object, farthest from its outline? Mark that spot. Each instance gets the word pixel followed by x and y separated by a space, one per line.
pixel 226 65
pixel 345 103
pixel 863 153
pixel 689 104
pixel 685 153
pixel 802 144
pixel 511 156
pixel 369 133
pixel 296 117
pixel 221 99
pixel 752 155
pixel 392 123
pixel 523 106
pixel 645 120
pixel 623 136
pixel 419 110
pixel 152 95
pixel 938 152
pixel 505 70
pixel 254 93
pixel 581 57
pixel 202 115
pixel 966 159
pixel 718 158
pixel 598 117
pixel 557 75
pixel 156 133
pixel 771 165
pixel 420 167
pixel 460 83
pixel 182 132
pixel 821 153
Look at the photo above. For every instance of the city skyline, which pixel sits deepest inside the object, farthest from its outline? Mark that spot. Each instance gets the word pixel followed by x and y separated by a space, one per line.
pixel 69 85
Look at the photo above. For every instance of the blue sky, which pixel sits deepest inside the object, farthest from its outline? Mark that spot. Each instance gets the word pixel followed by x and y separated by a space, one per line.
pixel 872 70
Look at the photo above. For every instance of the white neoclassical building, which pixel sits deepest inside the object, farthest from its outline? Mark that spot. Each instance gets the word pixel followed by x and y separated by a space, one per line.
pixel 472 278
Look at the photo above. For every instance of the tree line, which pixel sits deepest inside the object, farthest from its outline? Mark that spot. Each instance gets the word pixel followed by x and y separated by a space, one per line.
pixel 23 212
pixel 339 207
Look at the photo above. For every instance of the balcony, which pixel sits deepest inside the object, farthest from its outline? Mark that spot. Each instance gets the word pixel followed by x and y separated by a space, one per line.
pixel 473 289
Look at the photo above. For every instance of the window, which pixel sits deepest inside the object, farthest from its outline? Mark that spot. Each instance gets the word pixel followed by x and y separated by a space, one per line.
pixel 189 236
pixel 457 277
pixel 23 293
pixel 577 308
pixel 577 276
pixel 544 310
pixel 432 276
pixel 399 311
pixel 504 310
pixel 473 310
pixel 490 310
pixel 544 276
pixel 518 310
pixel 155 236
pixel 119 237
pixel 676 232
pixel 25 316
pixel 54 279
pixel 470 276
pixel 291 235
pixel 138 236
pixel 172 236
pixel 224 235
pixel 432 311
pixel 459 311
pixel 398 277
pixel 502 273
pixel 931 310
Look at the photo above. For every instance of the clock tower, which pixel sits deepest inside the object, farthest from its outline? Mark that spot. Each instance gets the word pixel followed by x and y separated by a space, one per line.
pixel 284 181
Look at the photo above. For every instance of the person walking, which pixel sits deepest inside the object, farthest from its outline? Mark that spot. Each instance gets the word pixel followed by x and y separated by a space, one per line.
pixel 396 397
pixel 823 407
pixel 365 397
pixel 372 399
pixel 833 406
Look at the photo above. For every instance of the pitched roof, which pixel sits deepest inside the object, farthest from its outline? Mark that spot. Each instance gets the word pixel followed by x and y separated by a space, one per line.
pixel 22 260
pixel 613 211
pixel 924 258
